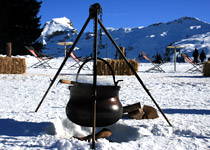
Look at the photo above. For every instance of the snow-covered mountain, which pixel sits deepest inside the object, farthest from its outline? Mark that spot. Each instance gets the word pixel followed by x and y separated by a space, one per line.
pixel 187 31
pixel 199 41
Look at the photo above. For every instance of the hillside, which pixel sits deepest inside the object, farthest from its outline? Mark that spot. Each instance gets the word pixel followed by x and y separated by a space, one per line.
pixel 152 39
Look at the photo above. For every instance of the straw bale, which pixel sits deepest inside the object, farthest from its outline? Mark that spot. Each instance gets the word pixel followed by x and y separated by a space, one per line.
pixel 11 65
pixel 119 66
pixel 135 64
pixel 206 69
pixel 113 65
pixel 123 68
pixel 98 67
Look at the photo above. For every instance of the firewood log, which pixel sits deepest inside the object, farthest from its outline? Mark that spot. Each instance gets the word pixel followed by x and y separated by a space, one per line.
pixel 132 107
pixel 104 133
pixel 136 114
pixel 150 112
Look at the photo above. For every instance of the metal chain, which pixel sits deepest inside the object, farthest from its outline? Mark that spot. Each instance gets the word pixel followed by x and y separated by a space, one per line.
pixel 101 46
pixel 94 31
pixel 100 34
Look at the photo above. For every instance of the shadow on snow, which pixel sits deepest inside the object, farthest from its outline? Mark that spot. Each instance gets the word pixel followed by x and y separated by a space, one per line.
pixel 11 127
pixel 187 111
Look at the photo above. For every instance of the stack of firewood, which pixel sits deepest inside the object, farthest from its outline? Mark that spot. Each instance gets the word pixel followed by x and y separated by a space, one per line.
pixel 135 111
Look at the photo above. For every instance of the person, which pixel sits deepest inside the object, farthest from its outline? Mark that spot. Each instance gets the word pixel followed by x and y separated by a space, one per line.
pixel 202 56
pixel 195 56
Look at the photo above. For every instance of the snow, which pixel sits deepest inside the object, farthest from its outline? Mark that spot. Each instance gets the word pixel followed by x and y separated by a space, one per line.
pixel 164 33
pixel 184 97
pixel 195 27
pixel 55 25
pixel 199 41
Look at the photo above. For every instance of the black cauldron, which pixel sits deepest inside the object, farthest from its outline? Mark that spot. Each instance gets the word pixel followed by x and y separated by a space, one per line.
pixel 80 106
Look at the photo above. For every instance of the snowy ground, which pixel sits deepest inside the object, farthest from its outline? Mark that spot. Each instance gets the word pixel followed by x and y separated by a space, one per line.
pixel 184 97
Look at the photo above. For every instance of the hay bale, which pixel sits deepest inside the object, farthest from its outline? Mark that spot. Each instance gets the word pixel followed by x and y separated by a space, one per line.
pixel 135 64
pixel 206 69
pixel 119 66
pixel 11 65
pixel 4 67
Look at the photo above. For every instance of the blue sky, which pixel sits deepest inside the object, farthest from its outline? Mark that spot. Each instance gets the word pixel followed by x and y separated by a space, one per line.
pixel 125 13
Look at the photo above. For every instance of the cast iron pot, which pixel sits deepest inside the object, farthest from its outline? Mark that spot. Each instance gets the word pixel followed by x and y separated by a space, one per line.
pixel 80 106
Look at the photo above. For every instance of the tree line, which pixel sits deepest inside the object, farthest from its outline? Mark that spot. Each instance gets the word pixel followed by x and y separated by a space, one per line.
pixel 20 25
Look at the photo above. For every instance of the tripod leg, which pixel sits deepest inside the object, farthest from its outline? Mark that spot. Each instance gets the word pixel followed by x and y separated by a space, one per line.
pixel 63 63
pixel 94 78
pixel 133 70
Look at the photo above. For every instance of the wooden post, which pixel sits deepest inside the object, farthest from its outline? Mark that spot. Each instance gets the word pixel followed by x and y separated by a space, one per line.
pixel 123 51
pixel 175 59
pixel 9 49
pixel 175 50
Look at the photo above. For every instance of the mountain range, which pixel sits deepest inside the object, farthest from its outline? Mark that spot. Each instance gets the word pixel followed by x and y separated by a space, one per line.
pixel 188 32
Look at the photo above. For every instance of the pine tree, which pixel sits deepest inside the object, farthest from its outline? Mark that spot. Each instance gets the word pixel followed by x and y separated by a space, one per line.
pixel 158 58
pixel 19 25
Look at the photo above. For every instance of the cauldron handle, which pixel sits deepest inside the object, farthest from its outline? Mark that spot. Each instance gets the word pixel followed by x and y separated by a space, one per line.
pixel 89 59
